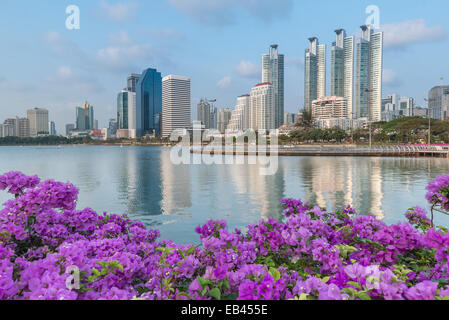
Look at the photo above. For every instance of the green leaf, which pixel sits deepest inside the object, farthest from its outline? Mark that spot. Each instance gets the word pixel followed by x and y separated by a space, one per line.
pixel 355 284
pixel 203 282
pixel 215 293
pixel 275 273
pixel 364 296
pixel 226 284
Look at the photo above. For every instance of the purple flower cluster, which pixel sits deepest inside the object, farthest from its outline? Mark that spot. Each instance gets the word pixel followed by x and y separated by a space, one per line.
pixel 16 182
pixel 51 250
pixel 438 192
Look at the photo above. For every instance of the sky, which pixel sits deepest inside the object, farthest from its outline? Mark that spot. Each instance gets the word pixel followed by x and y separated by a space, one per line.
pixel 217 43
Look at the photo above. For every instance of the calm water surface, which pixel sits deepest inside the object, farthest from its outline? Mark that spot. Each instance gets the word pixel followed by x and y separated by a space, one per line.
pixel 142 182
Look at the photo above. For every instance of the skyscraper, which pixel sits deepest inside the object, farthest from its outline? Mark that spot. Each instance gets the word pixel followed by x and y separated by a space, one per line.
pixel 321 67
pixel 38 119
pixel 262 110
pixel 223 118
pixel 176 107
pixel 369 63
pixel 149 103
pixel 273 72
pixel 315 73
pixel 122 110
pixel 310 74
pixel 342 68
pixel 85 117
pixel 132 81
pixel 213 117
pixel 203 113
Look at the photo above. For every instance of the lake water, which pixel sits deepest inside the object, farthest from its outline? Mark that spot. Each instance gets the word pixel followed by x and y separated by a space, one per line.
pixel 143 182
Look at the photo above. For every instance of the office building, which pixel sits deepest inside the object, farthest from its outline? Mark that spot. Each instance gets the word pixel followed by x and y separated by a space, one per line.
pixel 85 117
pixel 273 72
pixel 132 81
pixel 176 105
pixel 126 114
pixel 369 65
pixel 262 112
pixel 439 102
pixel 52 127
pixel 149 103
pixel 38 120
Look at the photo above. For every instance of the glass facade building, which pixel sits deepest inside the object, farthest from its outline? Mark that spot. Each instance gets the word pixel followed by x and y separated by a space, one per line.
pixel 85 117
pixel 122 110
pixel 273 72
pixel 149 103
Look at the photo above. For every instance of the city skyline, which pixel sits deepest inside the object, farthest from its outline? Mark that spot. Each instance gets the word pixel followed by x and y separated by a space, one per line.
pixel 90 63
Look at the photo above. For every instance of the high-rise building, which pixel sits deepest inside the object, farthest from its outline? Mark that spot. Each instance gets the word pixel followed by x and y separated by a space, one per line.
pixel 240 116
pixel 321 67
pixel 369 64
pixel 315 73
pixel 176 105
pixel 38 119
pixel 223 118
pixel 85 117
pixel 273 72
pixel 203 111
pixel 439 102
pixel 126 114
pixel 149 103
pixel 342 68
pixel 213 117
pixel 52 127
pixel 132 81
pixel 262 113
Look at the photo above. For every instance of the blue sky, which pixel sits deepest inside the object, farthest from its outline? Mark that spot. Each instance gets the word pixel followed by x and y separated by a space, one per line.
pixel 217 43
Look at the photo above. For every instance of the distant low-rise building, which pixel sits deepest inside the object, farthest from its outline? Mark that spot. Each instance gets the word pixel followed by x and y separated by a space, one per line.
pixel 330 108
pixel 69 128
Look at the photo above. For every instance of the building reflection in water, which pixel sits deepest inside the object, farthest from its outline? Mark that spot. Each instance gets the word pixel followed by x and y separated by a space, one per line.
pixel 176 186
pixel 140 182
pixel 331 183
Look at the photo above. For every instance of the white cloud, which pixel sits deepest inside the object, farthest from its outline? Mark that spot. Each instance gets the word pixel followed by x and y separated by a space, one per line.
pixel 223 12
pixel 247 69
pixel 224 83
pixel 402 34
pixel 118 12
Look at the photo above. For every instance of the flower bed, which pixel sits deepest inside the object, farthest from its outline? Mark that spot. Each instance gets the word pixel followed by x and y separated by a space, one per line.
pixel 51 250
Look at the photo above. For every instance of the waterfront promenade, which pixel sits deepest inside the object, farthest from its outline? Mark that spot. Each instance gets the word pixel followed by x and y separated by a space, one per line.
pixel 329 150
